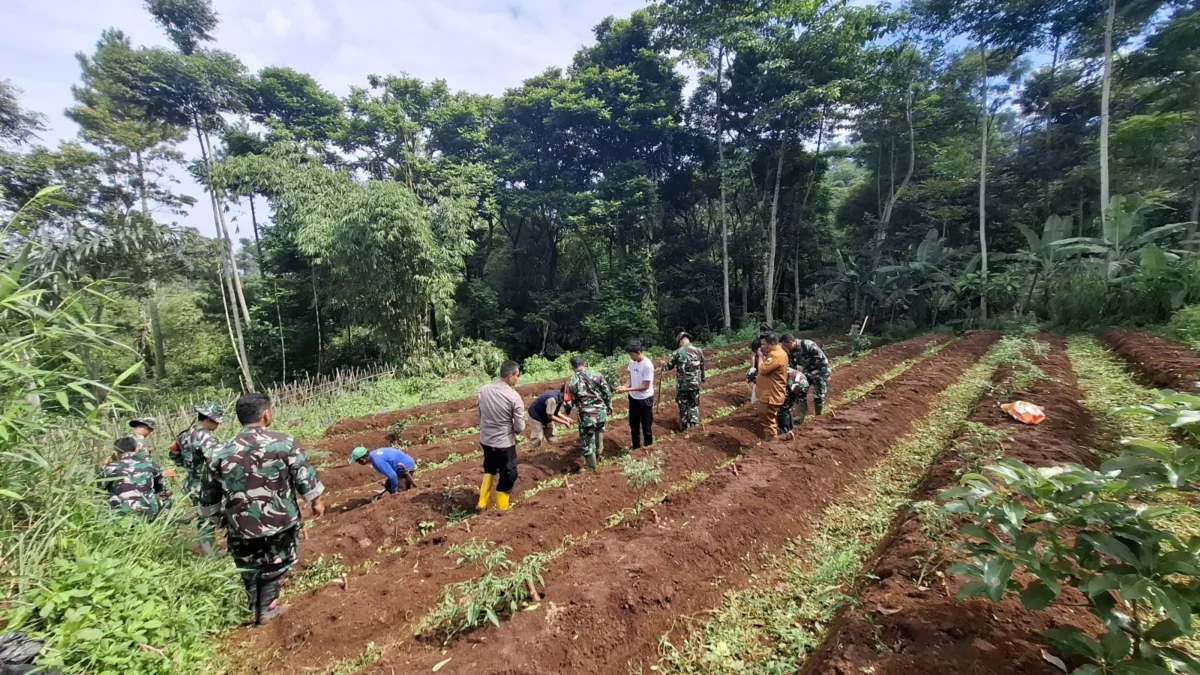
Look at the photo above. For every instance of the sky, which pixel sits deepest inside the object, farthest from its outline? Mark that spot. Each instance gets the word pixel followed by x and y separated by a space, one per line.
pixel 483 46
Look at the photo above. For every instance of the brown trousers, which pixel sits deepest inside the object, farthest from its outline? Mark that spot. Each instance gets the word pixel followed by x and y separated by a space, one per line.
pixel 766 415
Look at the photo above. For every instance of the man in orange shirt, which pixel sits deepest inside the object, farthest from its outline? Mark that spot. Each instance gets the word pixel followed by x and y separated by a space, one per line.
pixel 771 383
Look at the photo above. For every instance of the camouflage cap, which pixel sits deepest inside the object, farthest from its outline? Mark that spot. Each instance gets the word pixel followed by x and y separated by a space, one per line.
pixel 682 334
pixel 147 422
pixel 212 411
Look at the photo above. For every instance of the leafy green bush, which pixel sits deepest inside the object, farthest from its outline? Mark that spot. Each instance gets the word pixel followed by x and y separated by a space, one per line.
pixel 1185 326
pixel 109 594
pixel 1107 533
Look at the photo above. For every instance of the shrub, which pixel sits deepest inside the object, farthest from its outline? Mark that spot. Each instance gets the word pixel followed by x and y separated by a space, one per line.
pixel 1106 533
pixel 1185 326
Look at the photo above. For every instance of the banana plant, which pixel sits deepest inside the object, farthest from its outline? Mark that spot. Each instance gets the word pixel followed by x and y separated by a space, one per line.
pixel 1125 235
pixel 1044 252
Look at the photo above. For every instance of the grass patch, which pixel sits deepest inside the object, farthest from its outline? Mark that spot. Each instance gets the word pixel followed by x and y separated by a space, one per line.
pixel 774 625
pixel 1107 383
pixel 368 657
pixel 318 573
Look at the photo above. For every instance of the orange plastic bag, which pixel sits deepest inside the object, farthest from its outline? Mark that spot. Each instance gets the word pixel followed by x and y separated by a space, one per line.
pixel 1024 411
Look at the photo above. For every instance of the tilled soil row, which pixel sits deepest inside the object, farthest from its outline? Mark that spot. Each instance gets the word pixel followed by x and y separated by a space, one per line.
pixel 607 602
pixel 902 628
pixel 380 604
pixel 343 476
pixel 351 425
pixel 354 527
pixel 1163 363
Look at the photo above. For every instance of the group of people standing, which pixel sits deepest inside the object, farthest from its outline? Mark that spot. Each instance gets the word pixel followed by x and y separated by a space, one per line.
pixel 502 415
pixel 253 484
pixel 782 371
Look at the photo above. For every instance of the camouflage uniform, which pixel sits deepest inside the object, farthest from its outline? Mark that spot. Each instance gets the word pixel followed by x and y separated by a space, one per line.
pixel 689 361
pixel 797 388
pixel 253 482
pixel 135 485
pixel 591 394
pixel 143 446
pixel 810 358
pixel 193 447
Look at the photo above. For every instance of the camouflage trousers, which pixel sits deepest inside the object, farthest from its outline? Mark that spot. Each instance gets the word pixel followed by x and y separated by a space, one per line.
pixel 819 384
pixel 591 430
pixel 265 559
pixel 785 420
pixel 191 484
pixel 689 408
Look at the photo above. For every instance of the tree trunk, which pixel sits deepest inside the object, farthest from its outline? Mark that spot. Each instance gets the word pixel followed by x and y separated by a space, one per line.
pixel 983 153
pixel 1050 120
pixel 1105 98
pixel 233 283
pixel 772 237
pixel 233 340
pixel 160 354
pixel 796 288
pixel 257 242
pixel 160 358
pixel 895 195
pixel 724 210
pixel 317 310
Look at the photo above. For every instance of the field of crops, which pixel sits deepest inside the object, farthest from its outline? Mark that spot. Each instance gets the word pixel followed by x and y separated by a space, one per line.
pixel 712 551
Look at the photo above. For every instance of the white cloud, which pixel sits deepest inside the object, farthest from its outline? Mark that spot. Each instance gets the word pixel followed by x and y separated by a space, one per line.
pixel 486 46
pixel 278 23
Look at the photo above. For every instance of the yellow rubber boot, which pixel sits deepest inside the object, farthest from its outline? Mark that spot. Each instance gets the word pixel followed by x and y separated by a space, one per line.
pixel 485 491
pixel 502 501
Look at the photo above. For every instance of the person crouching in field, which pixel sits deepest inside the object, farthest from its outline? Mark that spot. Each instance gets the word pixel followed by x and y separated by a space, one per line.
pixel 396 466
pixel 797 389
pixel 501 420
pixel 133 481
pixel 251 484
pixel 544 413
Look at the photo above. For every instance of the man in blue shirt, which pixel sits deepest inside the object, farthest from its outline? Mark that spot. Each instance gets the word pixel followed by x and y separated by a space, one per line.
pixel 395 465
pixel 544 413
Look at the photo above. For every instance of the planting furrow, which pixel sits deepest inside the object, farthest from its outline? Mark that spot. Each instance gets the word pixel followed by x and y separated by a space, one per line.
pixel 906 618
pixel 607 602
pixel 1161 362
pixel 341 477
pixel 352 425
pixel 335 622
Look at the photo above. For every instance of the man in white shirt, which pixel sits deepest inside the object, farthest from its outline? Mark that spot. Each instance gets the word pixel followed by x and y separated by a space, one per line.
pixel 641 395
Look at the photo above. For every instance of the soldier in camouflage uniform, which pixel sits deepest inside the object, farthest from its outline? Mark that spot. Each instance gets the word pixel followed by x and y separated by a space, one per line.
pixel 142 428
pixel 808 356
pixel 797 389
pixel 688 363
pixel 195 445
pixel 134 483
pixel 588 391
pixel 252 484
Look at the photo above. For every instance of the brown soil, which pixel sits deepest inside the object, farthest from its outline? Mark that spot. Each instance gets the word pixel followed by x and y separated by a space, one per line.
pixel 900 628
pixel 351 425
pixel 608 601
pixel 342 476
pixel 380 602
pixel 1161 362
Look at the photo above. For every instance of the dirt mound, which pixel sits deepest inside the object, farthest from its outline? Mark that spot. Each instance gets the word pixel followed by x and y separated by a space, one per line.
pixel 902 628
pixel 1161 362
pixel 383 597
pixel 607 602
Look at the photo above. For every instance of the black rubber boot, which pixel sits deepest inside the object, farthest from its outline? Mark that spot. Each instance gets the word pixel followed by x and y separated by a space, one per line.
pixel 801 410
pixel 820 406
pixel 252 598
pixel 590 462
pixel 269 606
